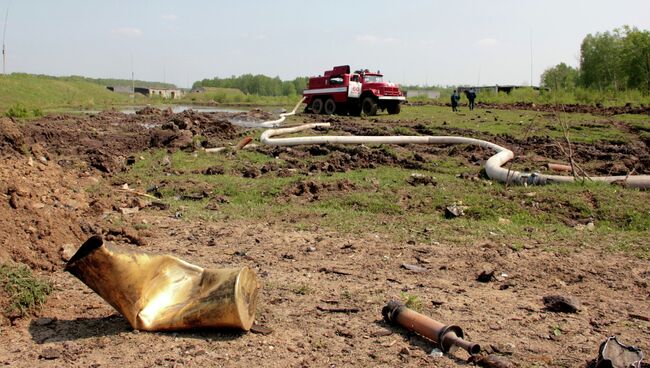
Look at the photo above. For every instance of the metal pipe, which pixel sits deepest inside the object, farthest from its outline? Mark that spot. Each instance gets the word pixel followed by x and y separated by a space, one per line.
pixel 558 167
pixel 448 337
pixel 161 292
pixel 493 166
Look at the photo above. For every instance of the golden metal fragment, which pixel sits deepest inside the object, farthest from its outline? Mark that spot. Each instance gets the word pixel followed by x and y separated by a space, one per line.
pixel 161 292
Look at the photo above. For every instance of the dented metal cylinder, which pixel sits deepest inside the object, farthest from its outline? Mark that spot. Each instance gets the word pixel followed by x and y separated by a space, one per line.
pixel 162 292
pixel 448 338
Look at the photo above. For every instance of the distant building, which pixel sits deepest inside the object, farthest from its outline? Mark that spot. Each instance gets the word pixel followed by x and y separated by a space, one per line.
pixel 120 89
pixel 422 92
pixel 497 88
pixel 171 93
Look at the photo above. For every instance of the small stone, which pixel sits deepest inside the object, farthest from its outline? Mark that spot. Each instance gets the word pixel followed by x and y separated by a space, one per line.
pixel 491 361
pixel 420 179
pixel 166 161
pixel 413 268
pixel 454 211
pixel 50 354
pixel 562 303
pixel 129 211
pixel 67 251
pixel 486 275
pixel 436 353
pixel 405 351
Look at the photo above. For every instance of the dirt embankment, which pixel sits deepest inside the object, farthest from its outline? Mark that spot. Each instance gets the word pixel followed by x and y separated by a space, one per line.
pixel 49 164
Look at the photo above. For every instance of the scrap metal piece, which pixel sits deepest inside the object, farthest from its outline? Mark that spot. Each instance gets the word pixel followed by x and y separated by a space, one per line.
pixel 448 338
pixel 613 354
pixel 161 292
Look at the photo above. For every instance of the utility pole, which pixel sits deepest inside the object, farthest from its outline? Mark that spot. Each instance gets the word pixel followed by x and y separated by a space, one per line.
pixel 531 58
pixel 132 80
pixel 4 49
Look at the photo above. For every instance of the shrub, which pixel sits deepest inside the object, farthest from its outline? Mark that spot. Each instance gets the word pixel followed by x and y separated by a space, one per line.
pixel 17 111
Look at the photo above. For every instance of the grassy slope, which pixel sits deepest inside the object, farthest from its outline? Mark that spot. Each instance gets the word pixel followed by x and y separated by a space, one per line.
pixel 43 92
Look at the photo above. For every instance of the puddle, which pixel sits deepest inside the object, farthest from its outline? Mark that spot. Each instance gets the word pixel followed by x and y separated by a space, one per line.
pixel 175 109
pixel 235 120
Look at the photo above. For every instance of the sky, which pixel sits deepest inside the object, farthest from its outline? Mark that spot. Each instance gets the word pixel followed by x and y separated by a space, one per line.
pixel 410 42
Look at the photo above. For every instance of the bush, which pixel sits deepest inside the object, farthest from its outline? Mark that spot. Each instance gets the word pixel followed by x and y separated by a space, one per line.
pixel 17 111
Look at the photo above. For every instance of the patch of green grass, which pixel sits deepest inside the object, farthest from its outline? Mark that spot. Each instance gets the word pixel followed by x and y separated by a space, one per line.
pixel 411 301
pixel 33 93
pixel 26 291
pixel 520 124
pixel 302 289
pixel 379 200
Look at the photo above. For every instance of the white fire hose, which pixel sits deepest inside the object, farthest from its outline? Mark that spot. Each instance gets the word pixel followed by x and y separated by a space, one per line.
pixel 283 116
pixel 493 166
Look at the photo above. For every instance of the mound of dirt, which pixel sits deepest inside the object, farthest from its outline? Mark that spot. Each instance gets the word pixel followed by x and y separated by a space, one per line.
pixel 311 189
pixel 105 140
pixel 11 138
pixel 42 208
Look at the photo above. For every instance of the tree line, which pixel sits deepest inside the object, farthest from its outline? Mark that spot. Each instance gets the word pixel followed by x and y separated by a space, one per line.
pixel 609 61
pixel 260 85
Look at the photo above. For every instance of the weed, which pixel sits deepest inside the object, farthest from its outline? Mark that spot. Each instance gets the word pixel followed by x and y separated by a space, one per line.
pixel 411 301
pixel 17 111
pixel 302 290
pixel 26 291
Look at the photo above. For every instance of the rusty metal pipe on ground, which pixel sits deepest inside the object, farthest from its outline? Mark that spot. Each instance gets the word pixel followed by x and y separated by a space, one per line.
pixel 558 167
pixel 161 292
pixel 448 337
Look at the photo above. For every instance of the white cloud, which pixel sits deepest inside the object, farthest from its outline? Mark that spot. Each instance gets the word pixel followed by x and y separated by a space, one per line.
pixel 372 39
pixel 487 42
pixel 127 32
pixel 169 17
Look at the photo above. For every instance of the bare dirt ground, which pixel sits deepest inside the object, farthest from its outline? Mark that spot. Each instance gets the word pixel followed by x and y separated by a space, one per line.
pixel 55 192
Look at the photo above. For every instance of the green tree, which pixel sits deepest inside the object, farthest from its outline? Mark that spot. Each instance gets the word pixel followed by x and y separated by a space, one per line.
pixel 261 85
pixel 600 61
pixel 560 77
pixel 635 58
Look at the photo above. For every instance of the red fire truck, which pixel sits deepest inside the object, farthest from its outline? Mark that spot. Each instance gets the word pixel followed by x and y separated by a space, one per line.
pixel 342 92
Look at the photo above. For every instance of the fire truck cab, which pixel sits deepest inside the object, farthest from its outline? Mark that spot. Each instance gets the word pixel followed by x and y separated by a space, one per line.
pixel 362 92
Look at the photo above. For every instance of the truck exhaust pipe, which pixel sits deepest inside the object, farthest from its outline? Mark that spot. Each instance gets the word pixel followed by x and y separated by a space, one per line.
pixel 161 292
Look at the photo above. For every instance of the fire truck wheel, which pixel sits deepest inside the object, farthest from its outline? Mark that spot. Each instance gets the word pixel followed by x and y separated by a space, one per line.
pixel 394 108
pixel 317 106
pixel 330 107
pixel 369 106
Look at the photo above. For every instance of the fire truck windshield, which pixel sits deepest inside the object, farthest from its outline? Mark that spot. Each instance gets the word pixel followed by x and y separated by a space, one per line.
pixel 372 78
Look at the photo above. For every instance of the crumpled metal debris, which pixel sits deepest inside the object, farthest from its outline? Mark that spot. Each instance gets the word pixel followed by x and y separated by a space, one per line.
pixel 161 292
pixel 613 354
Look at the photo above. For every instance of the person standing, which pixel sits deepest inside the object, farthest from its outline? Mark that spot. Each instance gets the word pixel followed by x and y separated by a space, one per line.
pixel 471 96
pixel 455 97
